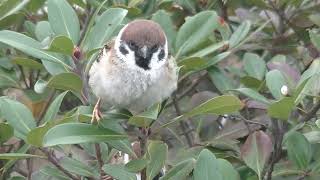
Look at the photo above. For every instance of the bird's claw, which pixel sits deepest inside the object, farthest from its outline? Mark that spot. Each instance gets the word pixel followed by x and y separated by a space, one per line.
pixel 96 114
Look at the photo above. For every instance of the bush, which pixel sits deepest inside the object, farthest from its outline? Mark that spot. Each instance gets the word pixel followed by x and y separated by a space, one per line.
pixel 246 105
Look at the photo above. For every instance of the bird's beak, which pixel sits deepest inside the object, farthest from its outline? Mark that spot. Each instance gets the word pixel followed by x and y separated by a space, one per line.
pixel 144 51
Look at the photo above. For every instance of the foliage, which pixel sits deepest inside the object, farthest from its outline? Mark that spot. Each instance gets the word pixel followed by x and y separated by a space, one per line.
pixel 246 106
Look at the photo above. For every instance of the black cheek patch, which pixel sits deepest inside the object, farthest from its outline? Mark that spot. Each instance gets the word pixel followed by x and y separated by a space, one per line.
pixel 161 55
pixel 123 50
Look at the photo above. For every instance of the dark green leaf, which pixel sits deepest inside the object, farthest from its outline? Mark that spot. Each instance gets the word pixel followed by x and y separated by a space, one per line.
pixel 281 109
pixel 77 167
pixel 220 79
pixel 54 108
pixel 123 145
pixel 275 80
pixel 253 95
pixel 6 132
pixel 63 81
pixel 145 118
pixel 240 33
pixel 75 133
pixel 218 105
pixel 180 171
pixel 299 149
pixel 315 39
pixel 26 62
pixel 61 44
pixel 136 165
pixel 227 170
pixel 8 7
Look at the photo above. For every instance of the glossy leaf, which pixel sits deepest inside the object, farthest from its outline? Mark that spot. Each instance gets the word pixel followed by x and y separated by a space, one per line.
pixel 54 108
pixel 180 171
pixel 281 109
pixel 26 62
pixel 6 132
pixel 210 49
pixel 254 65
pixel 119 172
pixel 75 133
pixel 275 80
pixel 218 105
pixel 253 95
pixel 29 46
pixel 61 44
pixel 156 154
pixel 206 167
pixel 299 149
pixel 63 19
pixel 18 116
pixel 195 30
pixel 145 118
pixel 240 33
pixel 104 28
pixel 256 151
pixel 63 81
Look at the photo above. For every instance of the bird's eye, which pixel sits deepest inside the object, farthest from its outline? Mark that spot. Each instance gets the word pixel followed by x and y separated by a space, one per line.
pixel 132 45
pixel 161 55
pixel 123 50
pixel 154 48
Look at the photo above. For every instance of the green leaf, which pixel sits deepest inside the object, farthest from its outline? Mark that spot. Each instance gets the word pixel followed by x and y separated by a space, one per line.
pixel 256 151
pixel 104 28
pixel 252 94
pixel 195 31
pixel 240 33
pixel 227 170
pixel 54 108
pixel 192 64
pixel 63 19
pixel 299 149
pixel 29 46
pixel 221 81
pixel 206 167
pixel 35 136
pixel 254 65
pixel 9 7
pixel 119 172
pixel 75 133
pixel 10 156
pixel 43 30
pixel 77 167
pixel 48 172
pixel 124 146
pixel 18 116
pixel 8 80
pixel 157 155
pixel 61 44
pixel 275 80
pixel 281 109
pixel 29 63
pixel 218 105
pixel 251 82
pixel 136 165
pixel 6 132
pixel 315 18
pixel 180 171
pixel 63 81
pixel 164 19
pixel 210 49
pixel 315 39
pixel 145 118
pixel 23 149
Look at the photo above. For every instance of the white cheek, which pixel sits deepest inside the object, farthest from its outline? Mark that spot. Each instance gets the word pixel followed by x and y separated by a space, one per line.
pixel 155 63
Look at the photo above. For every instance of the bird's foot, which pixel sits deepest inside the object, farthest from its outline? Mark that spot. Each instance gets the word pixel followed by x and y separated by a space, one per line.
pixel 96 114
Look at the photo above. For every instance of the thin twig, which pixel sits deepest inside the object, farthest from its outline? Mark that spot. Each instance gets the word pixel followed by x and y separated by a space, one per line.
pixel 309 115
pixel 53 160
pixel 99 158
pixel 23 76
pixel 184 126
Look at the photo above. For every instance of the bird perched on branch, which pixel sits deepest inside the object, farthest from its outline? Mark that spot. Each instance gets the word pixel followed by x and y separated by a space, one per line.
pixel 134 71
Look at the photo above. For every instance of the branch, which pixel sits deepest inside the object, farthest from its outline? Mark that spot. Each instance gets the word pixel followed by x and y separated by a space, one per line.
pixel 309 115
pixel 99 158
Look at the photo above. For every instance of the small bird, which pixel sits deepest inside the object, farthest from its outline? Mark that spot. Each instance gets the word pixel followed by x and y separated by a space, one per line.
pixel 134 71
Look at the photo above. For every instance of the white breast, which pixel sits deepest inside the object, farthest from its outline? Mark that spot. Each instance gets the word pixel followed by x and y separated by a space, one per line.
pixel 128 88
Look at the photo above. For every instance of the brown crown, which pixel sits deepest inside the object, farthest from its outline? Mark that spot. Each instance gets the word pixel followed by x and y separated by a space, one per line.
pixel 144 32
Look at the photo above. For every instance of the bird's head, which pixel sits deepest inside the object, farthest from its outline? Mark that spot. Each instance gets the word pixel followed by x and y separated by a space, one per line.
pixel 142 44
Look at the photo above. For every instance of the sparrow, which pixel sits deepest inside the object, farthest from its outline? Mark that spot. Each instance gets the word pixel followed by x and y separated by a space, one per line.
pixel 134 70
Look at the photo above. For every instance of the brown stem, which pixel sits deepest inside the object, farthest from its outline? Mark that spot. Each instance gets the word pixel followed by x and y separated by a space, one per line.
pixel 309 115
pixel 53 160
pixel 99 158
pixel 23 76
